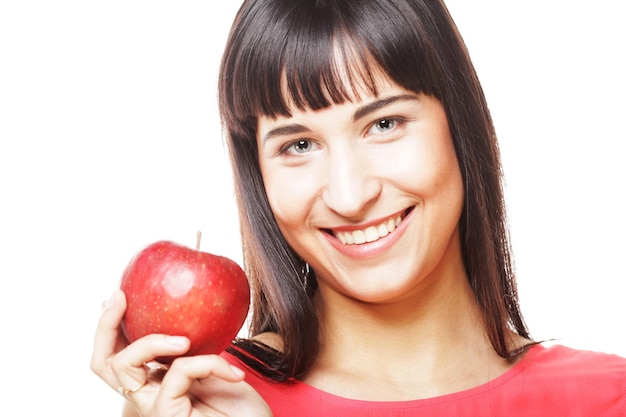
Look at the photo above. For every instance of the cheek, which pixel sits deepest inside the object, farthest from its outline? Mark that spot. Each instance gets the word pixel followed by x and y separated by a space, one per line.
pixel 290 195
pixel 429 170
pixel 446 187
pixel 425 166
pixel 445 171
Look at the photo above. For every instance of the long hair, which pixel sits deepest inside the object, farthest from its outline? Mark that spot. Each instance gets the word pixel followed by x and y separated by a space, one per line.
pixel 294 43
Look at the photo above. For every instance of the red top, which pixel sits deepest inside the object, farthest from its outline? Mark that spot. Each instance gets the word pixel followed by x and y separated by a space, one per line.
pixel 548 381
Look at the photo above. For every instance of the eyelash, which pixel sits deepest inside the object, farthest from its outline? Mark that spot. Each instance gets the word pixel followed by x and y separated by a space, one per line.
pixel 395 122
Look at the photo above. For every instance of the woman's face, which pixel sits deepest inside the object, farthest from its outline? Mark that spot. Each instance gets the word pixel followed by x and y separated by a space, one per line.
pixel 369 192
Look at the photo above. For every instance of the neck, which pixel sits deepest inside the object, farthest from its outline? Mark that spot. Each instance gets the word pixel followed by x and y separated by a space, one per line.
pixel 431 343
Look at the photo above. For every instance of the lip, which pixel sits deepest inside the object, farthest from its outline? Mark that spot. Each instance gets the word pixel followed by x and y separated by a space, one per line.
pixel 371 249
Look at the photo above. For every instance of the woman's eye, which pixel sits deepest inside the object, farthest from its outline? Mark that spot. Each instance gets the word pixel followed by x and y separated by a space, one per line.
pixel 383 125
pixel 298 147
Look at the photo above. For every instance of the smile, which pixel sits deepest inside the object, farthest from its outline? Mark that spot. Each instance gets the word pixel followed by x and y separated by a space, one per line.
pixel 371 233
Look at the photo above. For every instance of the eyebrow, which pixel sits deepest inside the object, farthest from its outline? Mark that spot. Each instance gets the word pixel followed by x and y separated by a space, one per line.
pixel 379 104
pixel 361 112
pixel 290 129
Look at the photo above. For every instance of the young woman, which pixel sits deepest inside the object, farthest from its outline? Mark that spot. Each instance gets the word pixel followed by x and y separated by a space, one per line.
pixel 374 232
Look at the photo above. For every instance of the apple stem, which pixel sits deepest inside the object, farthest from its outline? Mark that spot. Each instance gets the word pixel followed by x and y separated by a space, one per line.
pixel 198 239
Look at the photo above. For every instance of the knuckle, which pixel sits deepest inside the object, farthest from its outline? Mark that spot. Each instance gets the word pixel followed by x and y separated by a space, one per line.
pixel 180 364
pixel 117 364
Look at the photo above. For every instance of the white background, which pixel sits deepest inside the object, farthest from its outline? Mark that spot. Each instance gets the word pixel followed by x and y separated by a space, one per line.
pixel 110 140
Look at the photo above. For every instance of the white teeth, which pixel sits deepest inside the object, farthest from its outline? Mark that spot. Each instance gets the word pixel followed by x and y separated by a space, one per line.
pixel 359 237
pixel 370 234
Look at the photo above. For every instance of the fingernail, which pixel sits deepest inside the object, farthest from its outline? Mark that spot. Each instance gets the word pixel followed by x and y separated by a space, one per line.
pixel 238 372
pixel 178 341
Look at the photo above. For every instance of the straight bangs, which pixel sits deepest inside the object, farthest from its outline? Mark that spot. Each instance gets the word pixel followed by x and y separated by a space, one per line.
pixel 306 54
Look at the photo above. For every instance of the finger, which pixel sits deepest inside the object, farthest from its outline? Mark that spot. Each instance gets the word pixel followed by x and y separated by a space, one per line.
pixel 129 365
pixel 184 371
pixel 107 340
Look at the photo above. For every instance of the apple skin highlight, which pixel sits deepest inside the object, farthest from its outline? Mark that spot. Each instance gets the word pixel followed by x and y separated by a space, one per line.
pixel 175 290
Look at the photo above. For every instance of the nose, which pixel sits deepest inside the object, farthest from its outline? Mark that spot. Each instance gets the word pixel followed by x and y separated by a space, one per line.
pixel 352 184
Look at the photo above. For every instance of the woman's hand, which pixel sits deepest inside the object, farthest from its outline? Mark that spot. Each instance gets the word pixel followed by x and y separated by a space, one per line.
pixel 204 385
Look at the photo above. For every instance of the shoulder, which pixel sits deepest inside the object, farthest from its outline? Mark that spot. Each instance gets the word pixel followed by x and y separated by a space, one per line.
pixel 564 360
pixel 579 379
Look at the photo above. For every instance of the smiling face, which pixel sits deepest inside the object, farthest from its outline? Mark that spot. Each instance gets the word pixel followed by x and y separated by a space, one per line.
pixel 368 192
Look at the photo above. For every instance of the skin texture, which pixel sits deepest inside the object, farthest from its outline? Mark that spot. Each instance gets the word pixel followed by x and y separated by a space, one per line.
pixel 358 173
pixel 405 296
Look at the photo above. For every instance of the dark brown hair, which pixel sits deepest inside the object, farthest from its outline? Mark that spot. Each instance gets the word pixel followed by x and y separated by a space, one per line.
pixel 417 45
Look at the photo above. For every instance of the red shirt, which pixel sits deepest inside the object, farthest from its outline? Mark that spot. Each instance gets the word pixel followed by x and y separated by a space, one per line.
pixel 547 381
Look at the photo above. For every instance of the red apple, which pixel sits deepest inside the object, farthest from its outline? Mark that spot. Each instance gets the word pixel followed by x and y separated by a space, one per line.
pixel 176 290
